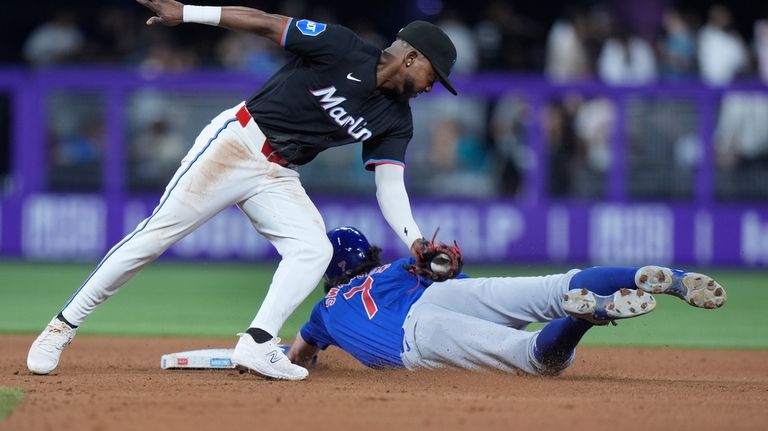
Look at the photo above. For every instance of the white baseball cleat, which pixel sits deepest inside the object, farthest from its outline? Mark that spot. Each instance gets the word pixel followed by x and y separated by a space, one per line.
pixel 45 352
pixel 266 359
pixel 698 290
pixel 601 310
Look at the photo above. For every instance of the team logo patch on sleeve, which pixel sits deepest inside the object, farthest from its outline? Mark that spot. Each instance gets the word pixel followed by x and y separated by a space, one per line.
pixel 310 28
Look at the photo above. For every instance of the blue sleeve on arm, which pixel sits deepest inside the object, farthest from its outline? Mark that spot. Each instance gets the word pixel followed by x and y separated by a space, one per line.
pixel 314 331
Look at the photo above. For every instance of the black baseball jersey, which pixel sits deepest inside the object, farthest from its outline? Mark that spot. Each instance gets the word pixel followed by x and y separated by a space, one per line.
pixel 326 96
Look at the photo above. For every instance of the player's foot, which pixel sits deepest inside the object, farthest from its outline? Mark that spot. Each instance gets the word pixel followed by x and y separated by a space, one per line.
pixel 698 290
pixel 266 359
pixel 601 310
pixel 45 352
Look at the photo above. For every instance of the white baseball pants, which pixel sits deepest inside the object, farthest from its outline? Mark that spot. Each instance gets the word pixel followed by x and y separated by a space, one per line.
pixel 224 167
pixel 478 323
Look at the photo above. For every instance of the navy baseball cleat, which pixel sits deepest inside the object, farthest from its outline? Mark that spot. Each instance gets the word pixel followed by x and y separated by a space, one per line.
pixel 601 310
pixel 698 290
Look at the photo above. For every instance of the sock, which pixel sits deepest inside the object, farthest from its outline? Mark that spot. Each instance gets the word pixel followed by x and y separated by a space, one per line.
pixel 558 339
pixel 604 280
pixel 61 317
pixel 259 335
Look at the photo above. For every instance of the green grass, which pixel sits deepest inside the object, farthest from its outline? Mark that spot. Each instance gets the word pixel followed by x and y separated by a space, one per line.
pixel 9 399
pixel 219 300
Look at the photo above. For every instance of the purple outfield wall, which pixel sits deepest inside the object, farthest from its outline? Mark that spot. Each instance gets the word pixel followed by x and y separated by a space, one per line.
pixel 38 224
pixel 84 227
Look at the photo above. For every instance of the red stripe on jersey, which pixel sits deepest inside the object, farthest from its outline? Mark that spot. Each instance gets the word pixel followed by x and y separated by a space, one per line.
pixel 384 162
pixel 285 32
pixel 368 302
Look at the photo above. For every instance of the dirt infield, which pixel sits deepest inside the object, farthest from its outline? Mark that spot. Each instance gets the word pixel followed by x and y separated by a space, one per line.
pixel 116 384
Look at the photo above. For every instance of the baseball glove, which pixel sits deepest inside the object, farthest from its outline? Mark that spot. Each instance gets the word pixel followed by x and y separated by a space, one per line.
pixel 436 260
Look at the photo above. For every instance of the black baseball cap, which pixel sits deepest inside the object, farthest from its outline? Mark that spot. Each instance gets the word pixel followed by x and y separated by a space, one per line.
pixel 431 41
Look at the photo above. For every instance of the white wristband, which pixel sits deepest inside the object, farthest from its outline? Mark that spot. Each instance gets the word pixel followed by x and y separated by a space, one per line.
pixel 210 15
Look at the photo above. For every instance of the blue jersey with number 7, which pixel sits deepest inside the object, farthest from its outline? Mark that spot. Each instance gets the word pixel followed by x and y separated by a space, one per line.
pixel 365 316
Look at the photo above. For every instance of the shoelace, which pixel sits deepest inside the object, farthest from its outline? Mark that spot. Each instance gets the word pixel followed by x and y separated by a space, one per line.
pixel 52 334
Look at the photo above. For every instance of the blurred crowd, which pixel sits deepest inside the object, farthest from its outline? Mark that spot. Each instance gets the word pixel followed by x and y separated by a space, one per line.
pixel 480 145
pixel 581 43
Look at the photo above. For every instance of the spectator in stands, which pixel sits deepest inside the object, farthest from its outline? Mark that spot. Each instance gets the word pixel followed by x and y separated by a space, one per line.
pixel 567 58
pixel 722 53
pixel 82 146
pixel 760 42
pixel 249 53
pixel 626 60
pixel 115 36
pixel 508 40
pixel 742 131
pixel 76 156
pixel 677 47
pixel 511 156
pixel 165 56
pixel 458 151
pixel 563 144
pixel 593 125
pixel 54 42
pixel 463 39
pixel 155 154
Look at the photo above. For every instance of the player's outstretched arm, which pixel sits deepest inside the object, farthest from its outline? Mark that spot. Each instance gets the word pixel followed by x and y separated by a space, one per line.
pixel 395 205
pixel 171 12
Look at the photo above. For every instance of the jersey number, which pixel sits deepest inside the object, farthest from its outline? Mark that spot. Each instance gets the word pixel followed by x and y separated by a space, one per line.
pixel 365 288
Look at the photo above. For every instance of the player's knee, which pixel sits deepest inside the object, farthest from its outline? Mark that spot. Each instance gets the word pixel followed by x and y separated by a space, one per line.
pixel 324 251
pixel 318 250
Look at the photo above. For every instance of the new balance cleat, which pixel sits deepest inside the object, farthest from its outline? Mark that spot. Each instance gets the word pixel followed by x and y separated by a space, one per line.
pixel 698 290
pixel 46 350
pixel 265 359
pixel 601 310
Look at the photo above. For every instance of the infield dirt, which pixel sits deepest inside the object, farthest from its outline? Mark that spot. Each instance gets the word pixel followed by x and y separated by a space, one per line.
pixel 110 384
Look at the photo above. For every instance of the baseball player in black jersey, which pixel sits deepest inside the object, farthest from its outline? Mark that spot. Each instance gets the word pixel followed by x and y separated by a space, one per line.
pixel 334 90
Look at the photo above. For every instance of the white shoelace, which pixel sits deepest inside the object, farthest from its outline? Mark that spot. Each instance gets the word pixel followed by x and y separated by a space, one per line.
pixel 53 337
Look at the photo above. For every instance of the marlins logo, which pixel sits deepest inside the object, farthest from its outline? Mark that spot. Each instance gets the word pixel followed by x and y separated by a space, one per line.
pixel 310 28
pixel 330 103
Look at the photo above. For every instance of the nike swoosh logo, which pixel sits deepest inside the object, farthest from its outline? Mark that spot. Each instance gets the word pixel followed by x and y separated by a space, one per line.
pixel 352 78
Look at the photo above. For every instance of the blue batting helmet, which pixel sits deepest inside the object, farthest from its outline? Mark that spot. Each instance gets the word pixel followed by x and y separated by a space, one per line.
pixel 350 249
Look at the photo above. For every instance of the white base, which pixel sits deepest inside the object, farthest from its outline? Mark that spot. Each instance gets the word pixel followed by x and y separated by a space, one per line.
pixel 198 359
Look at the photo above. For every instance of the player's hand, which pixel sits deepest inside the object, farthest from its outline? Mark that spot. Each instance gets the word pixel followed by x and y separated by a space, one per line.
pixel 167 12
pixel 436 260
pixel 302 353
pixel 417 248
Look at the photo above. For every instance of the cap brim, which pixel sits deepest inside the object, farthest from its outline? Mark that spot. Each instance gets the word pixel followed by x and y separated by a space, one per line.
pixel 444 80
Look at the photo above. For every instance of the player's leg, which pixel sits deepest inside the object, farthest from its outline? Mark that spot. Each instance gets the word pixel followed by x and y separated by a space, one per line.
pixel 556 342
pixel 214 174
pixel 517 301
pixel 599 295
pixel 593 285
pixel 510 301
pixel 435 337
pixel 604 280
pixel 283 213
pixel 603 294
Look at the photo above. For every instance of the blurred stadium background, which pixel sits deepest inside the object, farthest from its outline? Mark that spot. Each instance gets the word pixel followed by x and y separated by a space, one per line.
pixel 586 132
